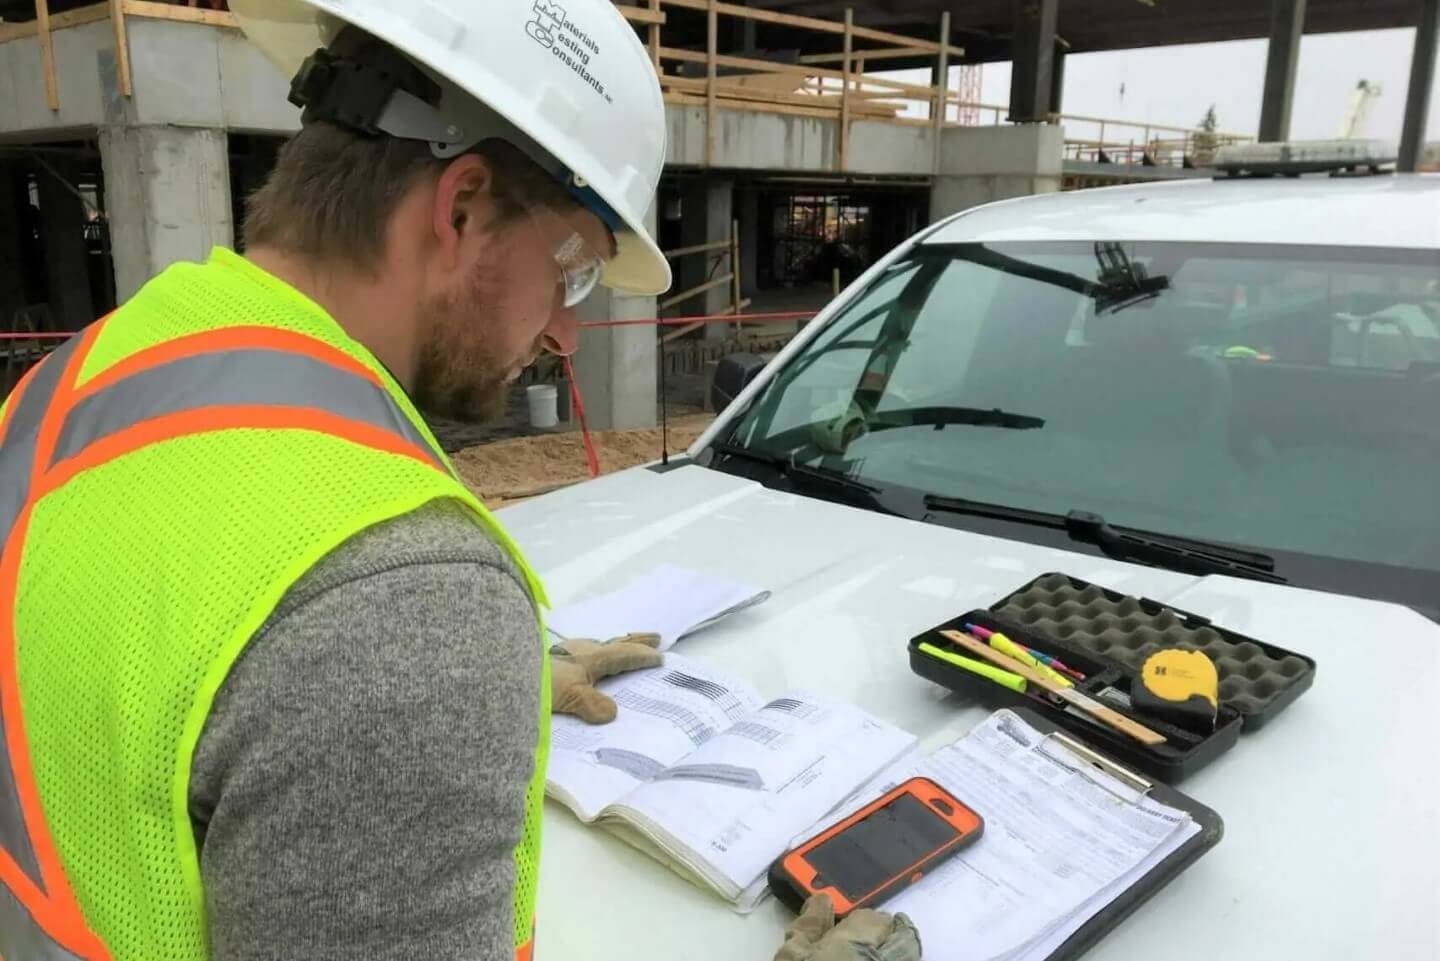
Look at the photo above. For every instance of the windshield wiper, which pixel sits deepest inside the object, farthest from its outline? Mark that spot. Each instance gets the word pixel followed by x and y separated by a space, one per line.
pixel 802 474
pixel 1186 554
pixel 941 417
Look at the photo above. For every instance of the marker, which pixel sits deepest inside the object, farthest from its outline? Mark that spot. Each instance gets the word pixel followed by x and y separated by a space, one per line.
pixel 1054 663
pixel 1009 648
pixel 1014 682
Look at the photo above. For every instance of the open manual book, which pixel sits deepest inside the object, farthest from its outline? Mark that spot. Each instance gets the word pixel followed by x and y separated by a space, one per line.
pixel 701 772
pixel 1062 841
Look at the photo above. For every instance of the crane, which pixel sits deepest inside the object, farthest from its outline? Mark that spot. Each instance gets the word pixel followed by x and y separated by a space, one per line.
pixel 1357 111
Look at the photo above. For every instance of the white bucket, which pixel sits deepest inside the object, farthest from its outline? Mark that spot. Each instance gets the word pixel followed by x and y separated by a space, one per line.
pixel 544 401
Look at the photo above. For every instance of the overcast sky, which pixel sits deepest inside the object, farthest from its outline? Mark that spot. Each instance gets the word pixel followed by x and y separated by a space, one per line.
pixel 1174 85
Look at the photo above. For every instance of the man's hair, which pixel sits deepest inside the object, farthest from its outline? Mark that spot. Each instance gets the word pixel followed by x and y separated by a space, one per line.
pixel 333 191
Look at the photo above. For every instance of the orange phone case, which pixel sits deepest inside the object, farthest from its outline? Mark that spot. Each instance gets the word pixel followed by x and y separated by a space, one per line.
pixel 802 875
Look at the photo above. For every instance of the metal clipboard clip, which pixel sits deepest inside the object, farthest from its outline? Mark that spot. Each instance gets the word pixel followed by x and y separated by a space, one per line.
pixel 1092 760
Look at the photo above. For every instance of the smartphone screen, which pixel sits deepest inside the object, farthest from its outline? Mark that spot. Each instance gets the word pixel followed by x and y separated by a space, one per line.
pixel 886 844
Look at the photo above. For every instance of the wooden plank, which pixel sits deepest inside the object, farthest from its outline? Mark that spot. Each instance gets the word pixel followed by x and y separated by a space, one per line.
pixel 650 15
pixel 844 138
pixel 942 101
pixel 696 249
pixel 686 100
pixel 770 66
pixel 811 23
pixel 16 31
pixel 694 291
pixel 681 331
pixel 47 53
pixel 166 11
pixel 655 35
pixel 122 48
pixel 874 105
pixel 712 38
pixel 881 53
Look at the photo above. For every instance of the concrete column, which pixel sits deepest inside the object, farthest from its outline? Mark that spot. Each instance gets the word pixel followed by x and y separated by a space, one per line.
pixel 167 193
pixel 748 213
pixel 706 211
pixel 981 164
pixel 12 276
pixel 1422 74
pixel 67 265
pixel 1031 80
pixel 617 367
pixel 1287 26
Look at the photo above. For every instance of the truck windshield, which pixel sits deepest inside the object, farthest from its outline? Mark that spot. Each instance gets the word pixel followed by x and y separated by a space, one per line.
pixel 1276 397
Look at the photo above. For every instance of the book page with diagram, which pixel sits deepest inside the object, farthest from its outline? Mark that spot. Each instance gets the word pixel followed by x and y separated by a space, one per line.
pixel 664 714
pixel 730 807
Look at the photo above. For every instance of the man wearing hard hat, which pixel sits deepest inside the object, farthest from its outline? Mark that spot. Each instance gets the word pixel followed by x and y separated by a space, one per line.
pixel 271 684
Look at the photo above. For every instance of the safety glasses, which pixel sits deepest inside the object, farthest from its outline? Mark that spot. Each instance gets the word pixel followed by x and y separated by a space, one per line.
pixel 580 268
pixel 580 265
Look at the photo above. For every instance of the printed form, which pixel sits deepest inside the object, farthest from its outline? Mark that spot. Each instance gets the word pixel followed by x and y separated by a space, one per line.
pixel 1059 844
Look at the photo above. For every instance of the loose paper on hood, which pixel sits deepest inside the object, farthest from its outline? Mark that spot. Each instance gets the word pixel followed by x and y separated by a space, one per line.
pixel 668 600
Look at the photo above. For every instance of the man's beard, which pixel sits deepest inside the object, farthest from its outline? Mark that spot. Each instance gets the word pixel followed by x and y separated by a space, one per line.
pixel 459 376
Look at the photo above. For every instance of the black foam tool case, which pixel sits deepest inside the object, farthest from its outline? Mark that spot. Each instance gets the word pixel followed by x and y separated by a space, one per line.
pixel 1107 636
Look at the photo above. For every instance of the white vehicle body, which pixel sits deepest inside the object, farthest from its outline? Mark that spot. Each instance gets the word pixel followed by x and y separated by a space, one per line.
pixel 1332 811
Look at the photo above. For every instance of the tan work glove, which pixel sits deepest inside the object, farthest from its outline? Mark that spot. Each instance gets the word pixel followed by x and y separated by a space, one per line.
pixel 577 664
pixel 864 935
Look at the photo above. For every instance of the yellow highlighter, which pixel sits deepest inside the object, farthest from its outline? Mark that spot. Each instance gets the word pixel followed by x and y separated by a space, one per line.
pixel 1008 647
pixel 1014 682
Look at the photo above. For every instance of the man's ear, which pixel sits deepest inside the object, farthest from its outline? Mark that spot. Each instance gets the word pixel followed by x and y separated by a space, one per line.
pixel 462 206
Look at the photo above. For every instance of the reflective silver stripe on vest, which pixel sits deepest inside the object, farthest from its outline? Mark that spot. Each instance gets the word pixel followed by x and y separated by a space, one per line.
pixel 269 378
pixel 21 938
pixel 17 459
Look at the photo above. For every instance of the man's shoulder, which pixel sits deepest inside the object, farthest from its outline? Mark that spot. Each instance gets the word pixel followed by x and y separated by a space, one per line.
pixel 442 532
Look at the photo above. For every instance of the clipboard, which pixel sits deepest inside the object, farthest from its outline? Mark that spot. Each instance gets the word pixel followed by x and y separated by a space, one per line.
pixel 1060 745
pixel 1212 829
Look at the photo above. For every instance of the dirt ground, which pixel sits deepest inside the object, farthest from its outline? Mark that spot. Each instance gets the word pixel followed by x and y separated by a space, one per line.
pixel 505 471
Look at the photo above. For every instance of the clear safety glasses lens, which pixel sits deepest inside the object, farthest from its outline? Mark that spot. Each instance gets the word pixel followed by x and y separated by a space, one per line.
pixel 580 269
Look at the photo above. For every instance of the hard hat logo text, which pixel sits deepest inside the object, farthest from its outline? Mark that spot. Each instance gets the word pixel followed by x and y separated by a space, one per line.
pixel 554 31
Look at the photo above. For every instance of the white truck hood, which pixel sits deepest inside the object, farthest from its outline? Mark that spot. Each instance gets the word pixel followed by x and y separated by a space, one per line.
pixel 1332 824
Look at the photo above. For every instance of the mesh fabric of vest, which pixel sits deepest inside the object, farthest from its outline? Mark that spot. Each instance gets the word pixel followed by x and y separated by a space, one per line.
pixel 143 580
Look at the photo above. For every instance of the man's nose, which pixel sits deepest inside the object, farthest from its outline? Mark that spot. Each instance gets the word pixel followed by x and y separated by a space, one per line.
pixel 562 335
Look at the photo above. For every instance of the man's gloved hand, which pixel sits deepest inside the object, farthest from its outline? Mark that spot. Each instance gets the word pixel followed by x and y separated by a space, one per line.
pixel 577 664
pixel 864 935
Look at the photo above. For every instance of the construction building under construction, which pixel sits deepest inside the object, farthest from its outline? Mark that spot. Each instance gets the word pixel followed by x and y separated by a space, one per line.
pixel 131 131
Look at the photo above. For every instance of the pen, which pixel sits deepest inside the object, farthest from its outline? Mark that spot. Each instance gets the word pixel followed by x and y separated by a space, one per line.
pixel 1014 682
pixel 1009 648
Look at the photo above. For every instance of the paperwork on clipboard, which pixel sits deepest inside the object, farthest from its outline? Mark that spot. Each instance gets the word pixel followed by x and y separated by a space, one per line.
pixel 668 600
pixel 1062 841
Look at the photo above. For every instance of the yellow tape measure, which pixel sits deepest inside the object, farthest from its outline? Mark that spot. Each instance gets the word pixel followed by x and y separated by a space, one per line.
pixel 1181 687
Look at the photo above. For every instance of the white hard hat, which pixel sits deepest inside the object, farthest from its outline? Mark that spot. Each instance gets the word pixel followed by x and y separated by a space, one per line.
pixel 568 83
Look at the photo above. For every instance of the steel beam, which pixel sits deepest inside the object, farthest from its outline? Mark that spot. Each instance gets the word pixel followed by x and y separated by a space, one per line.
pixel 1422 73
pixel 1287 26
pixel 1031 78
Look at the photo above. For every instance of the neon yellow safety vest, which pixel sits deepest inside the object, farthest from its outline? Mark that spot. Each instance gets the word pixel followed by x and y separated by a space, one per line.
pixel 165 478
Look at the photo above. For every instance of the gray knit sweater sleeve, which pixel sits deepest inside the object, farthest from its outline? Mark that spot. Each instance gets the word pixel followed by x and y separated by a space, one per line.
pixel 360 785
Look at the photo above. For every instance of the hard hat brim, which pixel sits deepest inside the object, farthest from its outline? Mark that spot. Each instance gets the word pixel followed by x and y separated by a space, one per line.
pixel 639 267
